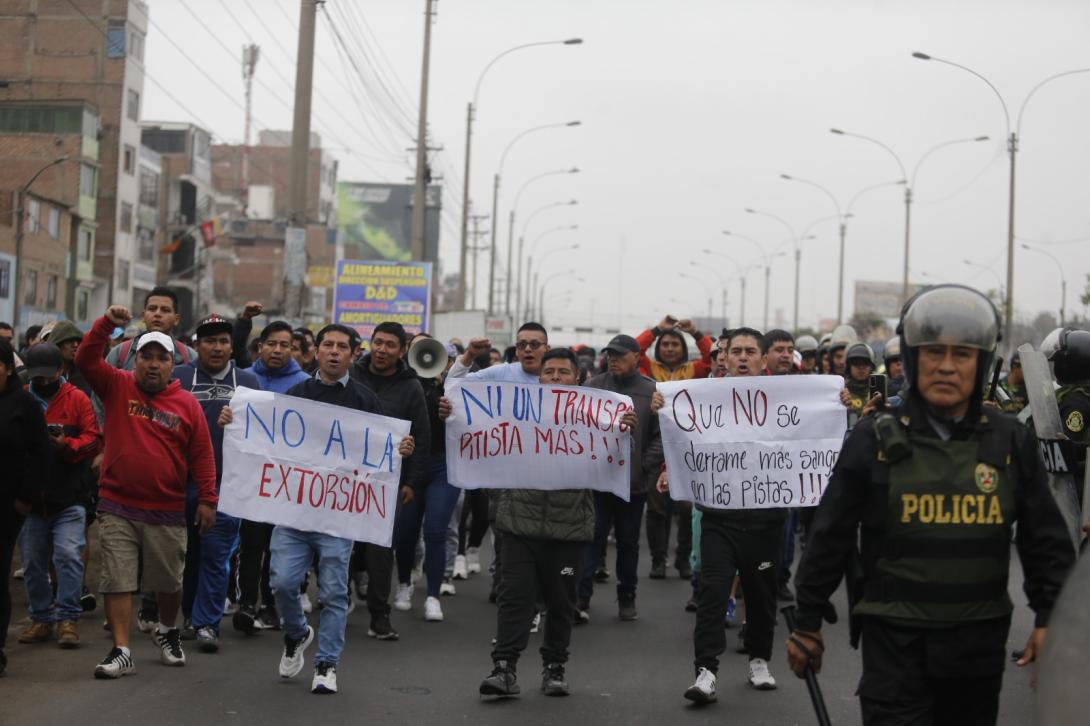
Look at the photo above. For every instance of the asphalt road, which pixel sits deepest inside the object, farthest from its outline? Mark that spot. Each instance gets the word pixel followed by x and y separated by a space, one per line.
pixel 620 673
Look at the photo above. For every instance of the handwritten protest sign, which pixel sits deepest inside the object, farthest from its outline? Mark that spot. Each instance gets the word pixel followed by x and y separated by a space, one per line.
pixel 529 436
pixel 753 442
pixel 312 466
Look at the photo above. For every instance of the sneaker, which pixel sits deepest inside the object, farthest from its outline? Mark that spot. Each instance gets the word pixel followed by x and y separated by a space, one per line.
pixel 460 572
pixel 703 689
pixel 553 682
pixel 146 620
pixel 601 574
pixel 417 575
pixel 308 607
pixel 18 574
pixel 245 620
pixel 403 600
pixel 325 678
pixel 291 661
pixel 626 610
pixel 684 571
pixel 535 624
pixel 268 618
pixel 433 611
pixel 742 647
pixel 658 571
pixel 36 633
pixel 759 675
pixel 503 681
pixel 229 608
pixel 784 594
pixel 446 587
pixel 106 625
pixel 582 613
pixel 691 604
pixel 116 664
pixel 170 647
pixel 68 634
pixel 381 629
pixel 88 602
pixel 208 641
pixel 473 560
pixel 188 633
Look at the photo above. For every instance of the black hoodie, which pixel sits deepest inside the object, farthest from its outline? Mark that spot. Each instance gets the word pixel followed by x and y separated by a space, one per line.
pixel 402 397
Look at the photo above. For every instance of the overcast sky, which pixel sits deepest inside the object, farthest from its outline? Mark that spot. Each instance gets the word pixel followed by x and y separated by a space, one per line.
pixel 690 112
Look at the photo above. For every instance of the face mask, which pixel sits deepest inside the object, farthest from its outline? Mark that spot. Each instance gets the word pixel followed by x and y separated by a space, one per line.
pixel 48 390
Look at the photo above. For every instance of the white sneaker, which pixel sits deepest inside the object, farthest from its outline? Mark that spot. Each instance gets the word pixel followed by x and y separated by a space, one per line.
pixel 308 607
pixel 433 611
pixel 417 574
pixel 446 587
pixel 459 572
pixel 116 664
pixel 351 604
pixel 703 689
pixel 325 678
pixel 759 676
pixel 18 574
pixel 535 624
pixel 404 597
pixel 170 647
pixel 291 661
pixel 229 608
pixel 473 560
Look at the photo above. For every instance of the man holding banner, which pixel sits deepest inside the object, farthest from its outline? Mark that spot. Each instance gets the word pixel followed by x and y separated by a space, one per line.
pixel 323 485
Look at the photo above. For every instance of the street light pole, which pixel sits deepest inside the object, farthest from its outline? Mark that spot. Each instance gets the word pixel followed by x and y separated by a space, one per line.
pixel 19 227
pixel 798 259
pixel 1063 278
pixel 471 107
pixel 521 252
pixel 530 261
pixel 741 278
pixel 843 233
pixel 724 283
pixel 511 230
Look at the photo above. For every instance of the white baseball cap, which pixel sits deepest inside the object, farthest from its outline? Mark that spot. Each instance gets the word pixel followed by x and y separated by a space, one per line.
pixel 156 337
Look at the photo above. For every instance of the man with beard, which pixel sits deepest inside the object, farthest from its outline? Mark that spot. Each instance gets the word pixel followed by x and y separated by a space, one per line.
pixel 156 438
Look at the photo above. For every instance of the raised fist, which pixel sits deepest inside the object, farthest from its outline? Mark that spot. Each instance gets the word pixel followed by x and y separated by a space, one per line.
pixel 119 315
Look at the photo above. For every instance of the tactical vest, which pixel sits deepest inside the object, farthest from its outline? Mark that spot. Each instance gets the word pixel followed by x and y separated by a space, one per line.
pixel 945 541
pixel 1080 429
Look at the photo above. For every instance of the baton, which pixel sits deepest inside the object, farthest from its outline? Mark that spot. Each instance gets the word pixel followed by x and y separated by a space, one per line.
pixel 811 678
pixel 993 391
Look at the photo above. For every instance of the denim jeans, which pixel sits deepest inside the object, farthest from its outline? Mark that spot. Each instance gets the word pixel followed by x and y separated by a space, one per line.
pixel 207 562
pixel 63 533
pixel 433 508
pixel 626 518
pixel 452 532
pixel 293 551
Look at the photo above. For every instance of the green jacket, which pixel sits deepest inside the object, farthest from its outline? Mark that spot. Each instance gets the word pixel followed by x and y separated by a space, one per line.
pixel 566 515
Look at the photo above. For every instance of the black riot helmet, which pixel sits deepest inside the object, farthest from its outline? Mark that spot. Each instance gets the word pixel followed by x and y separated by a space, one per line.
pixel 949 315
pixel 1071 358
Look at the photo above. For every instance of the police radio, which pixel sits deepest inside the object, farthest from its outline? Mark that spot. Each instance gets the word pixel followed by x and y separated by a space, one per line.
pixel 428 357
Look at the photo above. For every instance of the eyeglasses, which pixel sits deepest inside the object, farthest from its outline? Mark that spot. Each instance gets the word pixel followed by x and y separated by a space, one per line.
pixel 531 344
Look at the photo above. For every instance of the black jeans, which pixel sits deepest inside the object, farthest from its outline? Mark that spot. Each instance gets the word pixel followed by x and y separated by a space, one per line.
pixel 378 562
pixel 253 564
pixel 754 554
pixel 625 518
pixel 10 524
pixel 661 511
pixel 474 522
pixel 533 568
pixel 932 676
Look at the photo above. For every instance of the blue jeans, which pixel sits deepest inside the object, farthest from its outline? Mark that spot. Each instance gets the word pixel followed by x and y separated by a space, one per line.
pixel 292 552
pixel 625 517
pixel 64 533
pixel 433 508
pixel 207 562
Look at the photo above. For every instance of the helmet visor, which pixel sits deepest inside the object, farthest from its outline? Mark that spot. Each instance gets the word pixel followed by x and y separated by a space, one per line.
pixel 951 316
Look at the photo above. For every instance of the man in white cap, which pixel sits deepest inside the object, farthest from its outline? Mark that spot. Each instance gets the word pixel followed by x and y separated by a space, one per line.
pixel 156 438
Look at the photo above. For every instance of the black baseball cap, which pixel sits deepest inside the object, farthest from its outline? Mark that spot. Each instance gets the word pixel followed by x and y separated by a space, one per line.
pixel 43 361
pixel 622 344
pixel 214 324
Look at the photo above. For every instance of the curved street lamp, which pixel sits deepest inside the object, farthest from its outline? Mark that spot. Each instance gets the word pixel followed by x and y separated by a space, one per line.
pixel 545 284
pixel 798 255
pixel 522 238
pixel 469 140
pixel 530 289
pixel 1063 278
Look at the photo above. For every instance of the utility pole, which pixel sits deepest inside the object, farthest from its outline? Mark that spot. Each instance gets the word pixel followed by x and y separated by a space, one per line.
pixel 477 234
pixel 464 247
pixel 295 247
pixel 420 190
pixel 250 54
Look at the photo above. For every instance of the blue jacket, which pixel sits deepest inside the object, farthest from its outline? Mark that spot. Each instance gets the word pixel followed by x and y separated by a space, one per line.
pixel 278 380
pixel 213 395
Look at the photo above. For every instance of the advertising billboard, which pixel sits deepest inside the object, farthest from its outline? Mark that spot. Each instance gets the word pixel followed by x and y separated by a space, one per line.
pixel 368 292
pixel 375 221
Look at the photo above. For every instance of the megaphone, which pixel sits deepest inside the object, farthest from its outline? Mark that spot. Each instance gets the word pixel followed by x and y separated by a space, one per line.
pixel 428 357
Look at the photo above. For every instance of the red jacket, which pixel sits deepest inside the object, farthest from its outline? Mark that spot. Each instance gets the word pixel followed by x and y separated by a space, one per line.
pixel 152 441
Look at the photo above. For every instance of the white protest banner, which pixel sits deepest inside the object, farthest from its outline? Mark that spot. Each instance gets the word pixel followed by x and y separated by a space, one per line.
pixel 752 442
pixel 530 436
pixel 311 466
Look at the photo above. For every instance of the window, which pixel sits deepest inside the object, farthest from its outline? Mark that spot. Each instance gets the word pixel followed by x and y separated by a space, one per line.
pixel 30 287
pixel 88 181
pixel 149 187
pixel 115 39
pixel 123 274
pixel 126 218
pixel 54 222
pixel 83 302
pixel 136 45
pixel 33 216
pixel 41 119
pixel 84 244
pixel 145 246
pixel 51 291
pixel 129 160
pixel 133 109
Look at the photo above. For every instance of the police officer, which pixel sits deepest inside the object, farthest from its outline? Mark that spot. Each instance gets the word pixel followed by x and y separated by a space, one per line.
pixel 1071 365
pixel 859 364
pixel 895 372
pixel 842 338
pixel 807 347
pixel 936 485
pixel 823 353
pixel 1014 385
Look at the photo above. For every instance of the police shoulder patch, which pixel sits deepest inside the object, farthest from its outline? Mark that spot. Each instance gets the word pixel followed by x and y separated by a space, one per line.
pixel 987 478
pixel 1075 422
